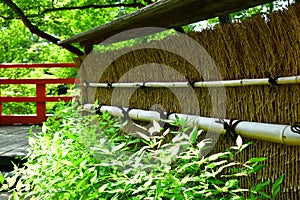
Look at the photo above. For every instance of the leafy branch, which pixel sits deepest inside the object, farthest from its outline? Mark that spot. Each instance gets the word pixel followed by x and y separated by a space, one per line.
pixel 68 8
pixel 35 30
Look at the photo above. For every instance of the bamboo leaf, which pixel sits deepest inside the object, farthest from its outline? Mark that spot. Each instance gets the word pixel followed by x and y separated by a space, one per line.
pixel 276 186
pixel 102 188
pixel 239 141
pixel 278 181
pixel 259 159
pixel 93 180
pixel 158 188
pixel 264 195
pixel 194 135
pixel 19 185
pixel 102 141
pixel 231 183
pixel 117 148
pixel 156 125
pixel 66 162
pixel 262 185
pixel 44 128
pixel 166 132
pixel 257 168
pixel 145 137
pixel 15 195
pixel 1 178
pixel 275 192
pixel 11 181
pixel 216 156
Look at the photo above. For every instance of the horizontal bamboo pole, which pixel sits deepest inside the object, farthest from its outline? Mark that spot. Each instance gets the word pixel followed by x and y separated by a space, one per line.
pixel 261 131
pixel 224 83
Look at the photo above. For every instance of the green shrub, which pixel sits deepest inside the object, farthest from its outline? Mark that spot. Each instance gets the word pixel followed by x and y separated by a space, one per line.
pixel 88 157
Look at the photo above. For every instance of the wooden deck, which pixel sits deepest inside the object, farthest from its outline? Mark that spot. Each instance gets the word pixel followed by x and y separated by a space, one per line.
pixel 13 146
pixel 13 141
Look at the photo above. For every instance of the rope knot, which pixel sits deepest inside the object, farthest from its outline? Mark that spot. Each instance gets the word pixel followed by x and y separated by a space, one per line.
pixel 229 128
pixel 296 127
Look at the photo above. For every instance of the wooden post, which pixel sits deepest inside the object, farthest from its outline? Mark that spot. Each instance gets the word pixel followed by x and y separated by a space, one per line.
pixel 0 109
pixel 0 102
pixel 41 102
pixel 225 19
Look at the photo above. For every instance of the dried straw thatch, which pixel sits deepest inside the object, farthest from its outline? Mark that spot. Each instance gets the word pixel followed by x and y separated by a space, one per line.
pixel 239 50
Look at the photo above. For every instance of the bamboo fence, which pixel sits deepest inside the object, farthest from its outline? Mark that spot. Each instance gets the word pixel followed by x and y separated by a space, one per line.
pixel 248 50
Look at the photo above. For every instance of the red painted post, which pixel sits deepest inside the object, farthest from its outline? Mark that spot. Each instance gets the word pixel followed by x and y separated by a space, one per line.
pixel 41 102
pixel 0 102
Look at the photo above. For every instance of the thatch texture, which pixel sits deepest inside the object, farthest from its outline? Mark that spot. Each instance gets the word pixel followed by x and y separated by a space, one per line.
pixel 240 50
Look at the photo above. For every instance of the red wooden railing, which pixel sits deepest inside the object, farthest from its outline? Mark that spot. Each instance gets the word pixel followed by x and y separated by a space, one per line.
pixel 41 98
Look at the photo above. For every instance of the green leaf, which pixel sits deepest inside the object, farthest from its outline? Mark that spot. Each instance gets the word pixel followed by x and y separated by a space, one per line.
pixel 193 135
pixel 276 186
pixel 93 180
pixel 156 126
pixel 148 183
pixel 215 181
pixel 66 162
pixel 44 128
pixel 257 168
pixel 216 156
pixel 231 183
pixel 278 181
pixel 11 181
pixel 264 195
pixel 275 191
pixel 239 141
pixel 262 185
pixel 260 159
pixel 19 185
pixel 117 148
pixel 1 178
pixel 133 141
pixel 143 136
pixel 158 189
pixel 15 195
pixel 102 188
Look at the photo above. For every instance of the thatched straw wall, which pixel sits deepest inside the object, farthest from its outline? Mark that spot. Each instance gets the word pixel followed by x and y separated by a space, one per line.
pixel 240 50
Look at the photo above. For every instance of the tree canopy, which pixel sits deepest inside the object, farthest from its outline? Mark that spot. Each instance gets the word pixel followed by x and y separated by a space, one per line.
pixel 52 20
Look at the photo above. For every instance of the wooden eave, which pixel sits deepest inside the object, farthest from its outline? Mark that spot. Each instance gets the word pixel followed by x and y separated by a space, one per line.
pixel 164 13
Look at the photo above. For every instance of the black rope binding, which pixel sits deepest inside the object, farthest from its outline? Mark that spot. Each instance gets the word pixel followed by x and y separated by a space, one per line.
pixel 296 127
pixel 229 127
pixel 143 87
pixel 191 83
pixel 162 114
pixel 272 81
pixel 97 109
pixel 125 113
pixel 109 84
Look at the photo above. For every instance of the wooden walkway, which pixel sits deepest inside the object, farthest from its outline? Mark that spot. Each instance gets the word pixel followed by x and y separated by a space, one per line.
pixel 13 146
pixel 13 141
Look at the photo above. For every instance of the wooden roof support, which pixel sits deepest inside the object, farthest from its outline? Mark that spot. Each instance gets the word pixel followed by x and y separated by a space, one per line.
pixel 164 13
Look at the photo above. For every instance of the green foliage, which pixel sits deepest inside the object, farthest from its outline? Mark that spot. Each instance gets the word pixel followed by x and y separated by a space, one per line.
pixel 78 156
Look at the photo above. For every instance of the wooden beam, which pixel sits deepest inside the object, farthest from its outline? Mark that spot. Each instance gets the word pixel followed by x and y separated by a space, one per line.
pixel 164 13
